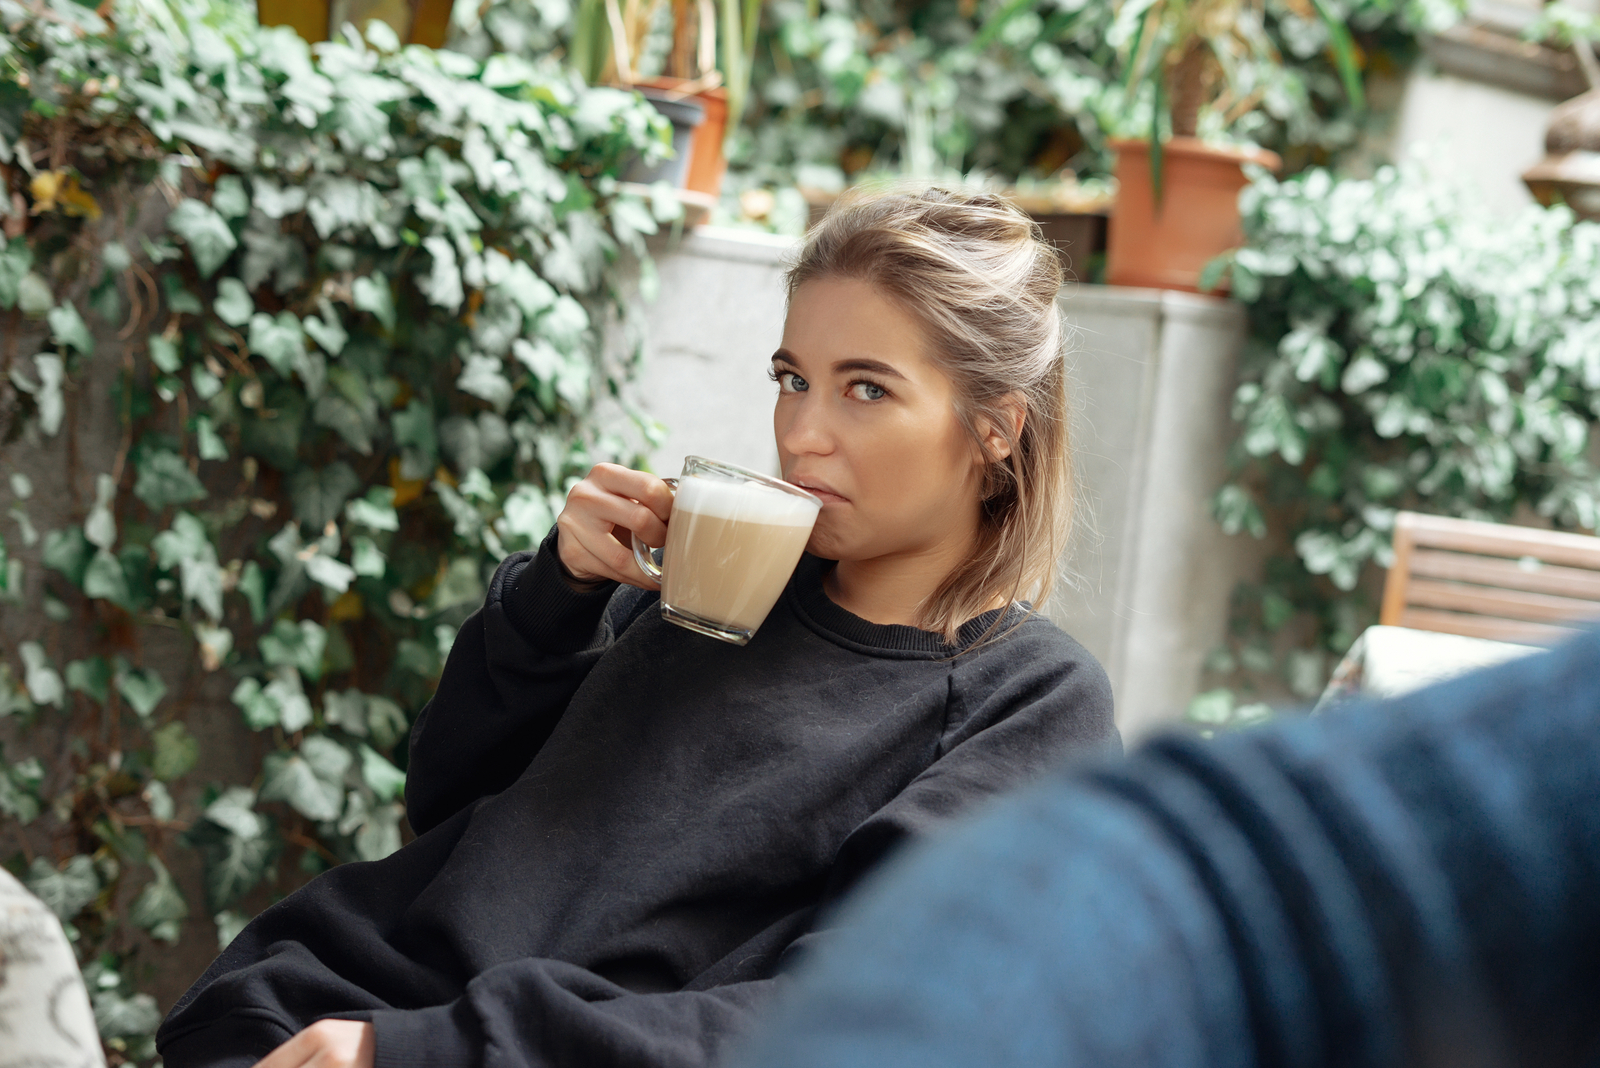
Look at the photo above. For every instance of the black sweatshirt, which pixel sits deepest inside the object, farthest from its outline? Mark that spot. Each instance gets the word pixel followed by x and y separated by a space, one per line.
pixel 623 826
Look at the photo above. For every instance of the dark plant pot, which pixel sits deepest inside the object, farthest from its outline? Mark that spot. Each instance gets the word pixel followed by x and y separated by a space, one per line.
pixel 684 114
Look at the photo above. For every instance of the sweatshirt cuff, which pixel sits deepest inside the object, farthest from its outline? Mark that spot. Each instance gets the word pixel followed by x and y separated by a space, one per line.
pixel 540 602
pixel 442 1036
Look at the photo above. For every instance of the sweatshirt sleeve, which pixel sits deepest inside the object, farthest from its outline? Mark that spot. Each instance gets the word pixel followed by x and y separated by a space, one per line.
pixel 541 1013
pixel 1016 708
pixel 515 665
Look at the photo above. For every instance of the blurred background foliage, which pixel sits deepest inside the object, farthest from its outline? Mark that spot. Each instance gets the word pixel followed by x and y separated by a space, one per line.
pixel 294 349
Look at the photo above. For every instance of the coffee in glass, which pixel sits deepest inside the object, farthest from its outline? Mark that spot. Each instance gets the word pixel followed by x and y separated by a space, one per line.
pixel 733 540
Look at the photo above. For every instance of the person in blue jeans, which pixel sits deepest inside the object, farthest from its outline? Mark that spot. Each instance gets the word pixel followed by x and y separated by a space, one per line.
pixel 1409 882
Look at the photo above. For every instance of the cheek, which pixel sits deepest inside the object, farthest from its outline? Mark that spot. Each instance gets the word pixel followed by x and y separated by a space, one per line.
pixel 913 474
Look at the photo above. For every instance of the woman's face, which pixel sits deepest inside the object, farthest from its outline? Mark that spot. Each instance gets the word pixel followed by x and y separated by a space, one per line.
pixel 867 421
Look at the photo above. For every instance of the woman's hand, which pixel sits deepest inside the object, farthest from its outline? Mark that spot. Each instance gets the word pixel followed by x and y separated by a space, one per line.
pixel 593 538
pixel 325 1044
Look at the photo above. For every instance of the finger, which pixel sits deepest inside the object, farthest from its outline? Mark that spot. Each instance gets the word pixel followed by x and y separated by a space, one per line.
pixel 293 1053
pixel 649 490
pixel 593 505
pixel 603 553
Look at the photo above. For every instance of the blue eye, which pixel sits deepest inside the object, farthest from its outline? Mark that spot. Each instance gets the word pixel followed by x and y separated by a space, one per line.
pixel 868 391
pixel 789 382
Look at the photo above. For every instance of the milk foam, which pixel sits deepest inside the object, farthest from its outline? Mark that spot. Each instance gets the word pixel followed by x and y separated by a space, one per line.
pixel 749 502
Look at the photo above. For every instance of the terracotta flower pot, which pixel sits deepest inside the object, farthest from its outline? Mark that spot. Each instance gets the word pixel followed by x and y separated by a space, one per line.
pixel 707 164
pixel 1198 219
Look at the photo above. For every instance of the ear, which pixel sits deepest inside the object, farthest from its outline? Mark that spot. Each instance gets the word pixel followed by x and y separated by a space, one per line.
pixel 1013 409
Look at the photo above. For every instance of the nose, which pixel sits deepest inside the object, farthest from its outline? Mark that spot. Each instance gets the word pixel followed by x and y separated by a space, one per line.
pixel 801 426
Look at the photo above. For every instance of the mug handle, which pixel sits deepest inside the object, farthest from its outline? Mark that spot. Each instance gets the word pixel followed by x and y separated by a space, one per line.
pixel 642 552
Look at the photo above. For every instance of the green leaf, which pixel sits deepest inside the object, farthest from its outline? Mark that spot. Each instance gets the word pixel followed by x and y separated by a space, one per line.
pixel 253 584
pixel 208 441
pixel 206 232
pixel 327 331
pixel 279 340
pixel 65 891
pixel 386 780
pixel 229 198
pixel 234 811
pixel 118 1016
pixel 143 690
pixel 44 684
pixel 100 528
pixel 67 328
pixel 295 645
pixel 176 751
pixel 375 511
pixel 366 558
pixel 319 495
pixel 233 304
pixel 379 834
pixel 68 552
pixel 91 676
pixel 187 547
pixel 159 906
pixel 386 721
pixel 103 578
pixel 164 479
pixel 291 778
pixel 371 294
pixel 34 296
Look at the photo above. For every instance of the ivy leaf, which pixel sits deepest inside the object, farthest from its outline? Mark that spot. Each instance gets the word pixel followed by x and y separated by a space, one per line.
pixel 253 584
pixel 176 751
pixel 206 232
pixel 91 676
pixel 208 441
pixel 375 511
pixel 484 376
pixel 233 305
pixel 330 573
pixel 103 578
pixel 187 546
pixel 159 906
pixel 327 331
pixel 118 1016
pixel 327 758
pixel 143 690
pixel 278 339
pixel 229 198
pixel 386 721
pixel 291 778
pixel 68 552
pixel 19 788
pixel 372 294
pixel 295 645
pixel 65 891
pixel 319 495
pixel 67 328
pixel 234 811
pixel 43 683
pixel 366 558
pixel 34 296
pixel 47 395
pixel 379 834
pixel 164 479
pixel 386 780
pixel 347 710
pixel 101 526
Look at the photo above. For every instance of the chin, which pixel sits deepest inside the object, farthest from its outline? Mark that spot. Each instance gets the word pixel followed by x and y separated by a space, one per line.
pixel 826 544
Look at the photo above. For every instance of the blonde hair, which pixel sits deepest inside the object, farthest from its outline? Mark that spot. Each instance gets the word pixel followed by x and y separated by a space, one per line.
pixel 978 275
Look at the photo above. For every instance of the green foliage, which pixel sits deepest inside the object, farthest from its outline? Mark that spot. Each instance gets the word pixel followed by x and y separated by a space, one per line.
pixel 1017 89
pixel 349 305
pixel 1407 352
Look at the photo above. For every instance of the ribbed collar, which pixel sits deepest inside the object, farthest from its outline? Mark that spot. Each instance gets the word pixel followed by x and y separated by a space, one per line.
pixel 812 604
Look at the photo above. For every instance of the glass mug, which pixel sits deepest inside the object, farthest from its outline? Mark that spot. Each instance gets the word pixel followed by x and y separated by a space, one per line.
pixel 733 540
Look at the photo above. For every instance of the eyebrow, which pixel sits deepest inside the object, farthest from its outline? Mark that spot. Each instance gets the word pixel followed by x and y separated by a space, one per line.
pixel 858 364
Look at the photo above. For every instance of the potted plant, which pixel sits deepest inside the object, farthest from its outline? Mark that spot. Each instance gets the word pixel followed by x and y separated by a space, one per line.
pixel 1177 199
pixel 610 38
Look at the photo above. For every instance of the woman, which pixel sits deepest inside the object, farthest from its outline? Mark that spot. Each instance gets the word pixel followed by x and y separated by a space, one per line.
pixel 627 829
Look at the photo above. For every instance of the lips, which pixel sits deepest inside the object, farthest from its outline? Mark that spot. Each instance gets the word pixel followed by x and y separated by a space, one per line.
pixel 819 489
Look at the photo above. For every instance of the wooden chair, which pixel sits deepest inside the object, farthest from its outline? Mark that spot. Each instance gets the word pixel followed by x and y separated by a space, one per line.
pixel 1490 580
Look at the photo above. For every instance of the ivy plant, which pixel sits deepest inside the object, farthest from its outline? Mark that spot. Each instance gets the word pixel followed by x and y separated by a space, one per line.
pixel 350 306
pixel 1408 350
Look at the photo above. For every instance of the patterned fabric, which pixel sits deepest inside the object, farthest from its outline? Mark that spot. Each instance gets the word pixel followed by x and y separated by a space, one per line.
pixel 45 1019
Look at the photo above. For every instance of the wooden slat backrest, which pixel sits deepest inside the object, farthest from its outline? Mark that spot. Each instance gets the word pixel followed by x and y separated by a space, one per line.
pixel 1490 580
